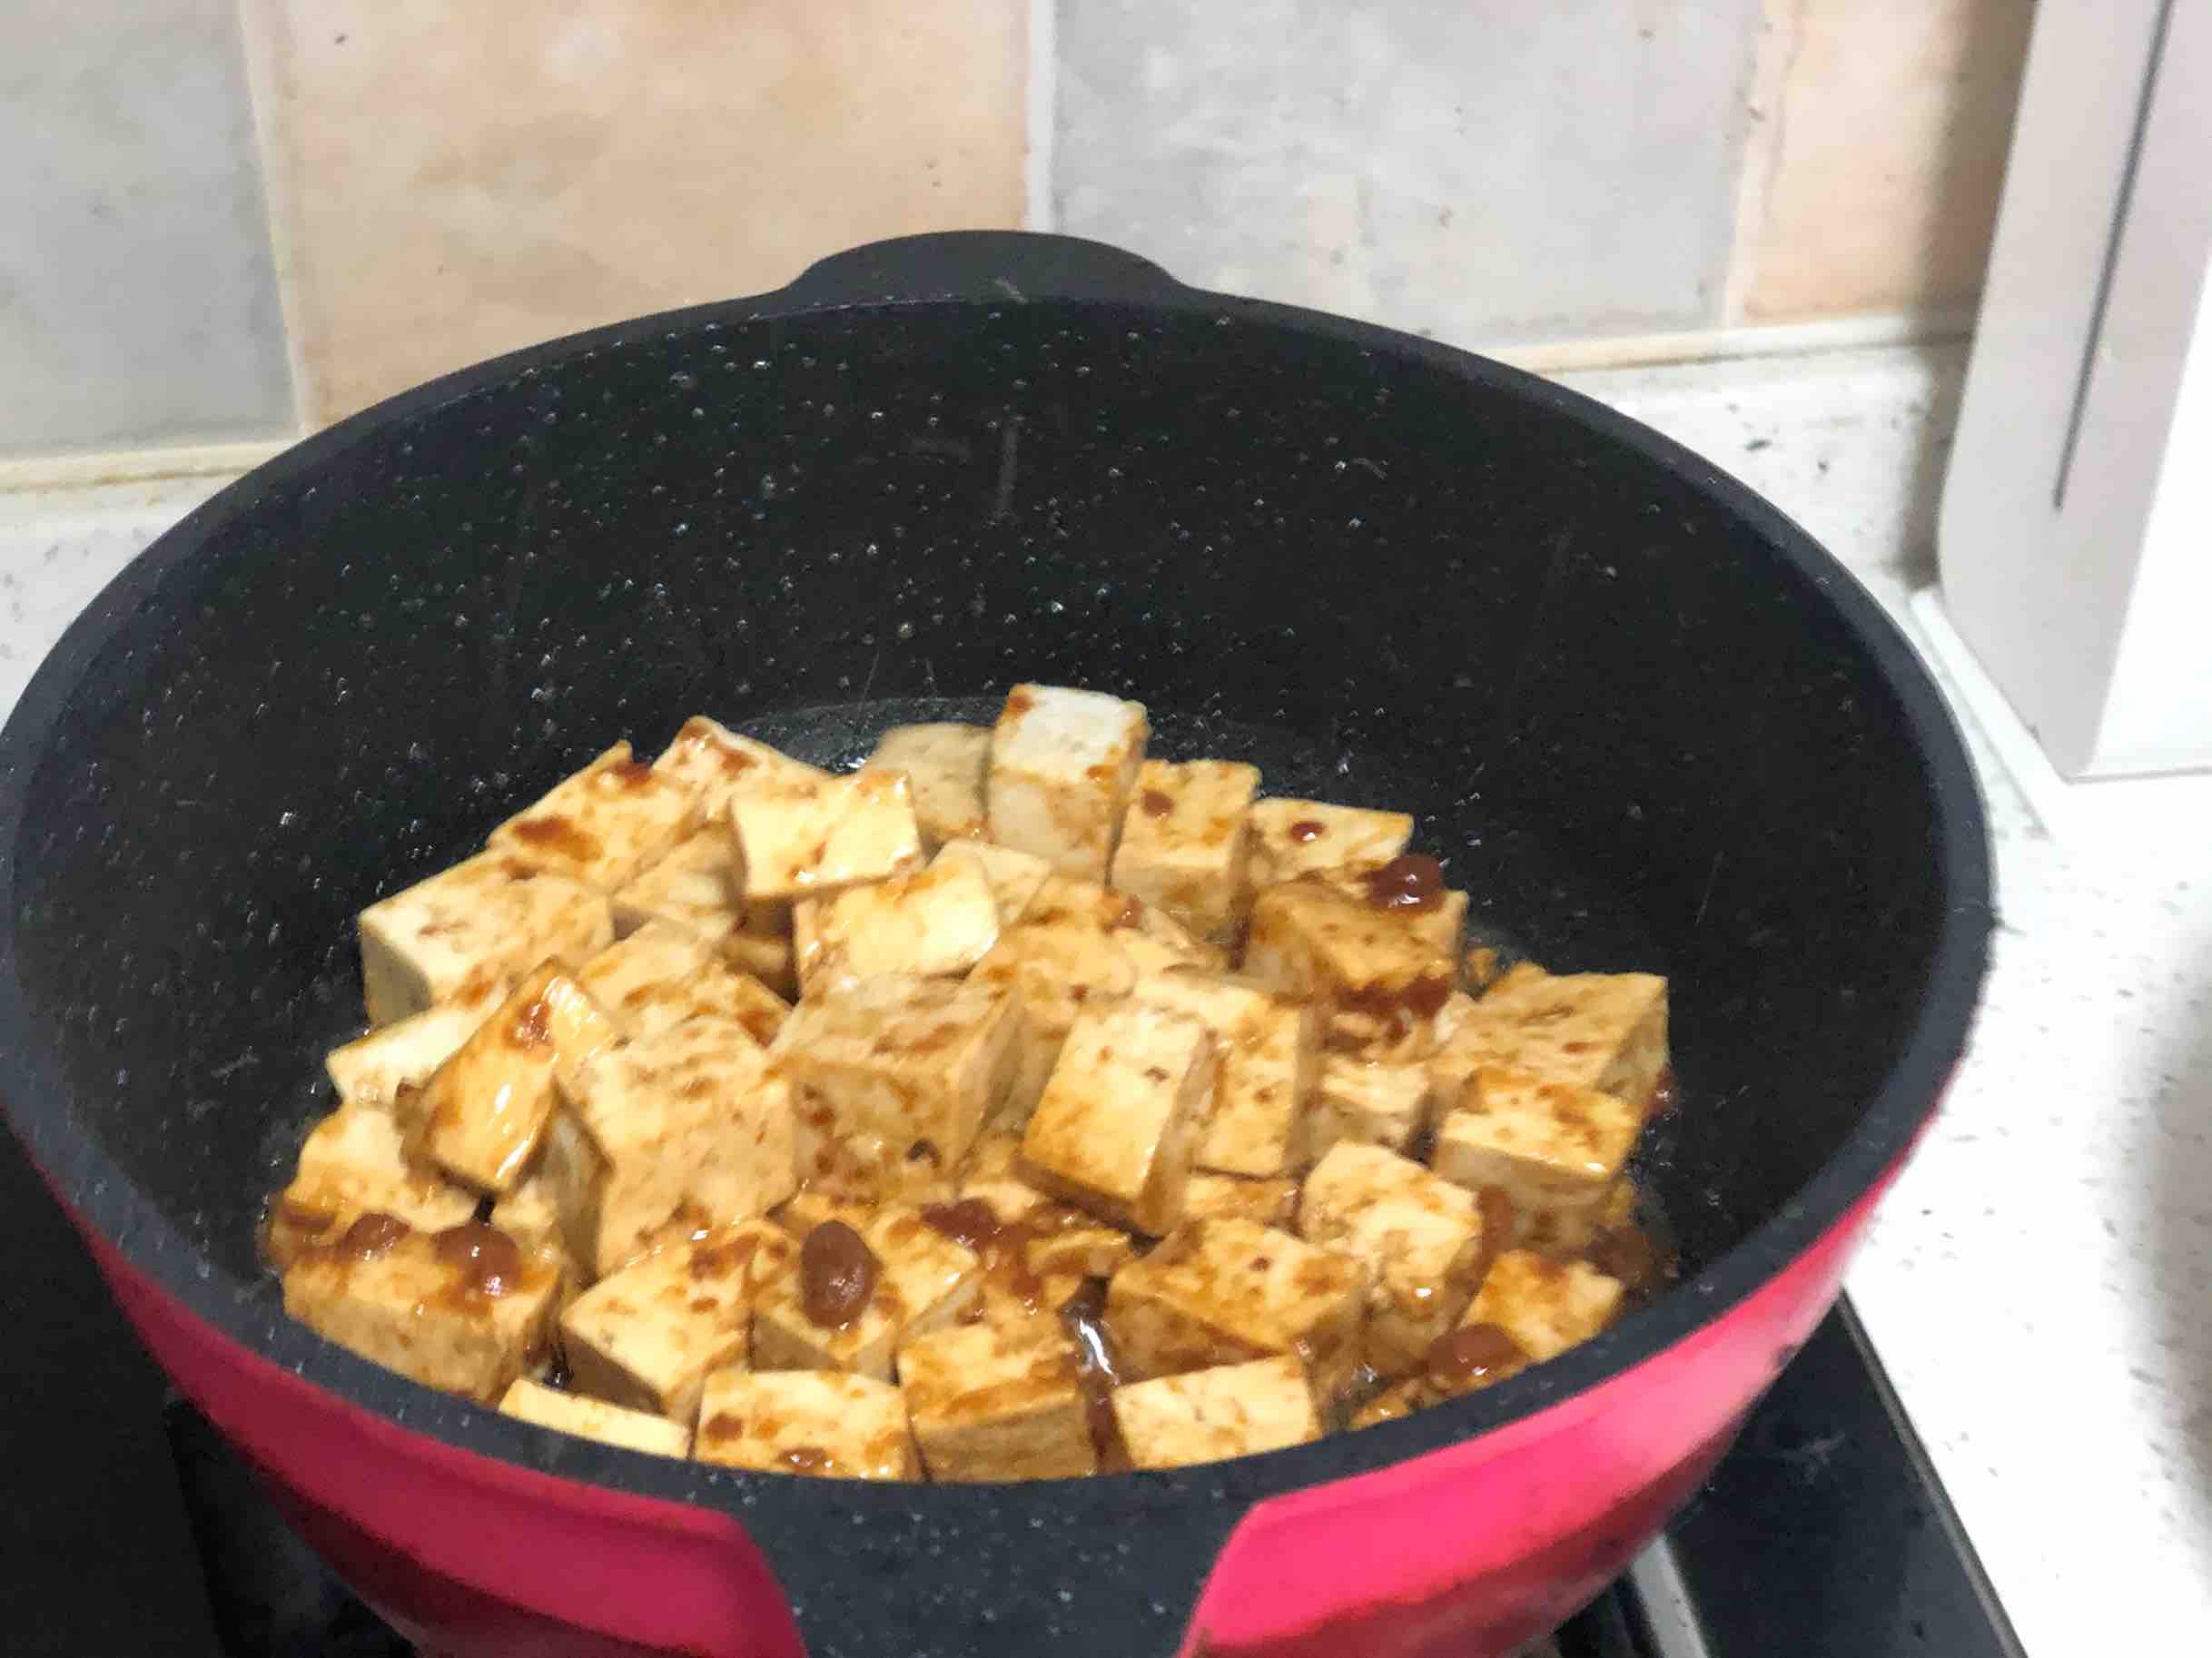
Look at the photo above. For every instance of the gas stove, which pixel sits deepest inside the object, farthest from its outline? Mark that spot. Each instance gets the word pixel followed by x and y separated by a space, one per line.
pixel 1824 1534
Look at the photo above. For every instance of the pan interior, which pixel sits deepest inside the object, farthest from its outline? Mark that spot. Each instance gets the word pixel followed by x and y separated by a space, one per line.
pixel 1637 736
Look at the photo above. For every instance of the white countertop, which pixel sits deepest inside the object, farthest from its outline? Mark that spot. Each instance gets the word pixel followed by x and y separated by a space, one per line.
pixel 2040 1284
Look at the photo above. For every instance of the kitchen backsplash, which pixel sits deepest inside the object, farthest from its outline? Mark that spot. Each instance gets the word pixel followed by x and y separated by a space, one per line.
pixel 230 218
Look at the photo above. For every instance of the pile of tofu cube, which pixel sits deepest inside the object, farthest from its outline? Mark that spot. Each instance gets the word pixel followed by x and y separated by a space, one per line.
pixel 1260 1159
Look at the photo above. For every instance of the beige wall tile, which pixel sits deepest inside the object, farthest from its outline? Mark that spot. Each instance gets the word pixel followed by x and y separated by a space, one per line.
pixel 1874 170
pixel 451 181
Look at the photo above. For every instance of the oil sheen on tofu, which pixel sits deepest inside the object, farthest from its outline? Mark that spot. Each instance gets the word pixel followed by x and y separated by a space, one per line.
pixel 1018 1105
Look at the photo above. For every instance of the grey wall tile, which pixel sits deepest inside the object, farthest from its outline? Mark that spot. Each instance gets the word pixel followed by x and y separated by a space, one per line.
pixel 1487 170
pixel 138 302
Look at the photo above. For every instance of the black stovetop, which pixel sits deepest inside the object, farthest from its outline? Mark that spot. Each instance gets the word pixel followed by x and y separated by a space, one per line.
pixel 1823 1534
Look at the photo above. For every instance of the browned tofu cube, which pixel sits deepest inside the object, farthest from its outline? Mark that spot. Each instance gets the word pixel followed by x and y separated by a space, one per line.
pixel 462 1308
pixel 1426 1238
pixel 1063 1246
pixel 1210 1416
pixel 1395 1403
pixel 796 839
pixel 646 1337
pixel 485 1110
pixel 1546 1306
pixel 1014 876
pixel 662 974
pixel 1606 1032
pixel 1120 1119
pixel 992 1174
pixel 1410 888
pixel 923 1281
pixel 936 923
pixel 1063 763
pixel 914 1063
pixel 588 1418
pixel 531 1216
pixel 1185 843
pixel 945 766
pixel 1556 1149
pixel 1380 981
pixel 355 1163
pixel 1298 837
pixel 715 763
pixel 992 1402
pixel 1270 1056
pixel 690 1119
pixel 1239 1196
pixel 372 1070
pixel 1366 1102
pixel 604 825
pixel 1219 1292
pixel 1078 945
pixel 699 886
pixel 826 1424
pixel 491 917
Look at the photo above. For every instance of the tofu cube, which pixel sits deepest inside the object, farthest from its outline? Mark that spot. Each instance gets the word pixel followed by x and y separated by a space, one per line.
pixel 355 1163
pixel 1546 1306
pixel 690 1119
pixel 799 839
pixel 1299 837
pixel 485 1109
pixel 1270 1057
pixel 530 1215
pixel 992 1174
pixel 936 923
pixel 1606 1032
pixel 699 886
pixel 489 917
pixel 1366 1102
pixel 1063 763
pixel 371 1069
pixel 1426 1238
pixel 1079 945
pixel 1240 1196
pixel 1381 984
pixel 413 1302
pixel 1553 1148
pixel 914 1063
pixel 588 1418
pixel 992 1402
pixel 645 1337
pixel 1441 926
pixel 925 1282
pixel 715 763
pixel 663 974
pixel 1068 1244
pixel 1210 1416
pixel 1221 1292
pixel 1120 1119
pixel 1014 876
pixel 945 766
pixel 1185 843
pixel 821 1422
pixel 606 824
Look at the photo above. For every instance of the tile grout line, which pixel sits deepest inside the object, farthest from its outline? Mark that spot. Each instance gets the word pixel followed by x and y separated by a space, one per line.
pixel 1040 113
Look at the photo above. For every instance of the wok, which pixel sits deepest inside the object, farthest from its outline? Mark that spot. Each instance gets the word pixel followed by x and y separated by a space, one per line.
pixel 1646 720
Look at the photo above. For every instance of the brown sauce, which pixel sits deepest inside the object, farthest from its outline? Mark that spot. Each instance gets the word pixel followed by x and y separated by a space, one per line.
pixel 1471 1357
pixel 1002 1246
pixel 1098 1371
pixel 1413 883
pixel 1667 1093
pixel 560 836
pixel 837 1275
pixel 1158 805
pixel 1306 829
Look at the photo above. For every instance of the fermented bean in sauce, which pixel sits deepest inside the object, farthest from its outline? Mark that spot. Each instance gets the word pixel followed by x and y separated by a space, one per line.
pixel 370 1236
pixel 489 1260
pixel 837 1274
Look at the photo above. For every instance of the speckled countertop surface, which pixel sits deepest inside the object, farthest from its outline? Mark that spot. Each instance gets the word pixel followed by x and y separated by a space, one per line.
pixel 2040 1284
